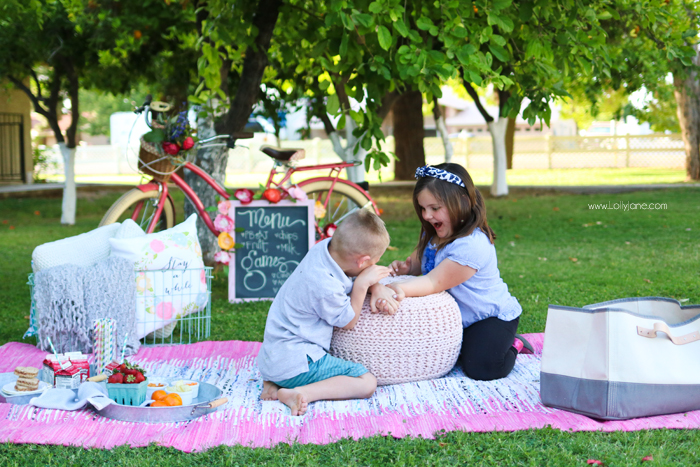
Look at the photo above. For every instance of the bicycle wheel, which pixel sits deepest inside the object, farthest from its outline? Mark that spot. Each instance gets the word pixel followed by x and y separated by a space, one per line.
pixel 125 207
pixel 345 199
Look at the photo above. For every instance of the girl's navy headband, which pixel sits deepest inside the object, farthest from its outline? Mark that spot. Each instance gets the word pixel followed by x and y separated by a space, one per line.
pixel 428 171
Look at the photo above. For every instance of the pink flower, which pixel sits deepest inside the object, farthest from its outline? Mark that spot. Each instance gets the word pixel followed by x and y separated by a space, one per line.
pixel 224 207
pixel 297 193
pixel 157 246
pixel 221 257
pixel 164 310
pixel 203 276
pixel 330 229
pixel 223 223
pixel 244 195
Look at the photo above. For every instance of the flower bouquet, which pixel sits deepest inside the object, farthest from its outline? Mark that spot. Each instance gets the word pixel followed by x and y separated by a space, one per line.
pixel 167 146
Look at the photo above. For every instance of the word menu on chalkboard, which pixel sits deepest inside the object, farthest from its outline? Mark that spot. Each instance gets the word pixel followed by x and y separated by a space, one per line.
pixel 274 240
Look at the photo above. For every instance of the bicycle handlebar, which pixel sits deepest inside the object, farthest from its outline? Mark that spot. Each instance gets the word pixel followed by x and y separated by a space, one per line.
pixel 146 103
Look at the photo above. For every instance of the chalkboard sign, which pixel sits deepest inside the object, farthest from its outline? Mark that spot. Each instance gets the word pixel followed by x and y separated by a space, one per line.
pixel 274 240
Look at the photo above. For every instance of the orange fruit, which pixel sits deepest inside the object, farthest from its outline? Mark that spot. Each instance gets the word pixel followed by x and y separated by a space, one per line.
pixel 159 395
pixel 173 400
pixel 159 404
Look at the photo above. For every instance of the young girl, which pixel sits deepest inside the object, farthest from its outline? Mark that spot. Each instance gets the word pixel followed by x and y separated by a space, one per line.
pixel 455 252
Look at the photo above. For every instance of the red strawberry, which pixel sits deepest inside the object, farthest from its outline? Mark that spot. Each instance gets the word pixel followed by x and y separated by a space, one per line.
pixel 244 195
pixel 116 378
pixel 171 148
pixel 122 367
pixel 272 195
pixel 139 378
pixel 130 371
pixel 130 379
pixel 188 143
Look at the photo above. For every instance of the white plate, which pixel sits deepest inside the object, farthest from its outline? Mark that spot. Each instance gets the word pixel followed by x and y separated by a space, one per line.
pixel 9 389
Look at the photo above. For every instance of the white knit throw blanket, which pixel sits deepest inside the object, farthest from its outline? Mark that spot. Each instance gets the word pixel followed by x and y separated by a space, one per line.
pixel 69 298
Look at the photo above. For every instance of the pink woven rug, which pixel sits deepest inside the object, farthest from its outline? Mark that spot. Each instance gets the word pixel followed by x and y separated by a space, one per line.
pixel 413 409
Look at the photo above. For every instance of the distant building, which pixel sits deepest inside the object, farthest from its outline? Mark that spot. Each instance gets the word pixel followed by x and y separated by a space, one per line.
pixel 16 162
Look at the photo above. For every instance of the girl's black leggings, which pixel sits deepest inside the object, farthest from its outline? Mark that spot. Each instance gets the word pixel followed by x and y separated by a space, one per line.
pixel 487 349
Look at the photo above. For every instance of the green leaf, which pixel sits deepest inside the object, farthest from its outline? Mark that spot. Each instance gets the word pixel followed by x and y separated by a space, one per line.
pixel 333 104
pixel 460 32
pixel 343 51
pixel 690 33
pixel 239 229
pixel 501 4
pixel 503 22
pixel 323 85
pixel 534 49
pixel 499 52
pixel 384 37
pixel 359 117
pixel 400 27
pixel 375 7
pixel 525 11
pixel 604 15
pixel 475 78
pixel 341 122
pixel 346 21
pixel 211 209
pixel 154 136
pixel 363 19
pixel 424 23
pixel 226 269
pixel 498 40
pixel 238 246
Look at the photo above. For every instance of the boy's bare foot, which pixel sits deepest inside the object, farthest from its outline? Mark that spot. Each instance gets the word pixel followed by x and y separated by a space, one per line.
pixel 294 400
pixel 269 392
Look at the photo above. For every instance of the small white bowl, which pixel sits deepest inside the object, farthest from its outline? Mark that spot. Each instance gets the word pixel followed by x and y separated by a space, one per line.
pixel 194 385
pixel 151 389
pixel 185 396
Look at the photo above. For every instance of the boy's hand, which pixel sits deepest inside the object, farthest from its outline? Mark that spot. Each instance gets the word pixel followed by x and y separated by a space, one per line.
pixel 383 299
pixel 401 268
pixel 372 275
pixel 396 287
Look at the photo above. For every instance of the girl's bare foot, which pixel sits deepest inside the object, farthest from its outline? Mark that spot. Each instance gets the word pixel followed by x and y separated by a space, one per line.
pixel 294 400
pixel 269 392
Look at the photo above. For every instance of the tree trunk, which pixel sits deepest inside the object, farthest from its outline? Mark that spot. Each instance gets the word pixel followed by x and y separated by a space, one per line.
pixel 510 142
pixel 408 135
pixel 213 161
pixel 687 93
pixel 68 206
pixel 442 131
pixel 498 137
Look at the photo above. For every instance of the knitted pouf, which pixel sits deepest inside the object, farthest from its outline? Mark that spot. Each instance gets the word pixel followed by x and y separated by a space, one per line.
pixel 421 341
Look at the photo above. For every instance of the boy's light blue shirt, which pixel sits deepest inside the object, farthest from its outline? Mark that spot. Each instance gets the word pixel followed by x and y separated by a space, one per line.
pixel 484 295
pixel 300 322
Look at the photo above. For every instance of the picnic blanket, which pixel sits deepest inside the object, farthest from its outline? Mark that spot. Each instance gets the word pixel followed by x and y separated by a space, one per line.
pixel 453 402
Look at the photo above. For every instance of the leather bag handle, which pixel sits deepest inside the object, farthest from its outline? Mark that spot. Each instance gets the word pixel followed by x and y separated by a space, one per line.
pixel 663 327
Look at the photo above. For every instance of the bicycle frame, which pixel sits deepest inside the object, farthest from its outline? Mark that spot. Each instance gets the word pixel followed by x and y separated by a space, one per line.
pixel 335 170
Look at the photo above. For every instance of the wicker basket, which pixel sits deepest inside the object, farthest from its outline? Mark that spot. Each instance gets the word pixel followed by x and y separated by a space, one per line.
pixel 155 162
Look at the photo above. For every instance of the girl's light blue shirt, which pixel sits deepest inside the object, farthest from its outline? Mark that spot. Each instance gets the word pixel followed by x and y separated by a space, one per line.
pixel 484 295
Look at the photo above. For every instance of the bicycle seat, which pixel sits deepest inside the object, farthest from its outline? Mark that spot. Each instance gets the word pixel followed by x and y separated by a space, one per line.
pixel 284 155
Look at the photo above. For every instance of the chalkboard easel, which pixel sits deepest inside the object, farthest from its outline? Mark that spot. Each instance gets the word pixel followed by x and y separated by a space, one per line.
pixel 275 238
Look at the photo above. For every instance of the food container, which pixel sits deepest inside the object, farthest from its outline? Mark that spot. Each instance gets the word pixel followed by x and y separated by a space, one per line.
pixel 190 383
pixel 128 394
pixel 186 396
pixel 159 383
pixel 81 362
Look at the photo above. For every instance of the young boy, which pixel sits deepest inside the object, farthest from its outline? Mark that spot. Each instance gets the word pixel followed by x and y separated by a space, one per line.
pixel 318 296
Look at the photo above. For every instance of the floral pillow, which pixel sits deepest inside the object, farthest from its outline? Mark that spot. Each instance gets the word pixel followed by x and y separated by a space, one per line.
pixel 170 277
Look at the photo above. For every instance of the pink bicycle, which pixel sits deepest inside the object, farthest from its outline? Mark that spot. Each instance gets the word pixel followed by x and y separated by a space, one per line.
pixel 151 206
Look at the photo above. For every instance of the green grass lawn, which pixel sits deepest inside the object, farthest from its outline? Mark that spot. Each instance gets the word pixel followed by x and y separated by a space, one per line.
pixel 551 249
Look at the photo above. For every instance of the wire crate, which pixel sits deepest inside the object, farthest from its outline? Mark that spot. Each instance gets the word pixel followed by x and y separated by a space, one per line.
pixel 177 316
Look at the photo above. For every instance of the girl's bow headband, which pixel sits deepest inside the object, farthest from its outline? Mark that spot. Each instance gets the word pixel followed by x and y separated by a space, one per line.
pixel 428 171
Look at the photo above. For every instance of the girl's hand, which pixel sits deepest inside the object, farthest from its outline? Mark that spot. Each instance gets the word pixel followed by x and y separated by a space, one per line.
pixel 383 299
pixel 401 268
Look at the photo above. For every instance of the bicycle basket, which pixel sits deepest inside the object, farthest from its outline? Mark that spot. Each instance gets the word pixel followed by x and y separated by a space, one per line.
pixel 155 162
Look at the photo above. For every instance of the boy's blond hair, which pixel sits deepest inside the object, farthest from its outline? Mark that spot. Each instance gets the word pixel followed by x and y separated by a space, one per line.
pixel 361 233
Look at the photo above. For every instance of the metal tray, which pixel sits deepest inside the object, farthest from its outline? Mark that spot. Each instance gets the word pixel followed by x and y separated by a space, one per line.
pixel 207 401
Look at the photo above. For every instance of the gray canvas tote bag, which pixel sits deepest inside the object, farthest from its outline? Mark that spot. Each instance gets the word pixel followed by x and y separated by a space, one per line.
pixel 626 358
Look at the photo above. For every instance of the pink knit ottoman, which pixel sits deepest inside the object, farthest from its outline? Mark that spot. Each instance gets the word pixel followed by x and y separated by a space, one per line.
pixel 421 341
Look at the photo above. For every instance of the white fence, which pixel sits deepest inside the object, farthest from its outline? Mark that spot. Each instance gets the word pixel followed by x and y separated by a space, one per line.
pixel 531 152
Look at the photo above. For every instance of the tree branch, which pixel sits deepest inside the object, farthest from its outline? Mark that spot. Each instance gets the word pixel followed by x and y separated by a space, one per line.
pixel 253 67
pixel 73 87
pixel 37 105
pixel 475 97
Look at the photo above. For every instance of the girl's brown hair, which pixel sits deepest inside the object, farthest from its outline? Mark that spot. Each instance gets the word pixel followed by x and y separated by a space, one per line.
pixel 465 206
